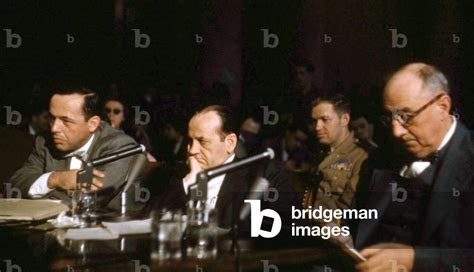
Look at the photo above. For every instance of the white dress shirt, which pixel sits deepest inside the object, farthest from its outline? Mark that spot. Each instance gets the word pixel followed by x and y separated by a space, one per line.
pixel 213 186
pixel 40 187
pixel 417 167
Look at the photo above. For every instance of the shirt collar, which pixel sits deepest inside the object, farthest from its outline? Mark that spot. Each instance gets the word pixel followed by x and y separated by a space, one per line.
pixel 83 150
pixel 221 177
pixel 342 147
pixel 448 135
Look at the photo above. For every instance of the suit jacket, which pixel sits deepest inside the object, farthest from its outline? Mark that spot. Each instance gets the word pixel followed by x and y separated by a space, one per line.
pixel 234 190
pixel 46 158
pixel 447 237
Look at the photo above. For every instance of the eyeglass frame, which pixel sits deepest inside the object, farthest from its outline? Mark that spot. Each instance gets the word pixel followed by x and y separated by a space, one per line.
pixel 408 119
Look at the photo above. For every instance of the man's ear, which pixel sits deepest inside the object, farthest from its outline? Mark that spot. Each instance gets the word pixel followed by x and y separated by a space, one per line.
pixel 230 142
pixel 444 103
pixel 93 123
pixel 345 119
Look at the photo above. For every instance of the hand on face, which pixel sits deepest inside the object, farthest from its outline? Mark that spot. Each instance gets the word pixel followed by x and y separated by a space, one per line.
pixel 195 169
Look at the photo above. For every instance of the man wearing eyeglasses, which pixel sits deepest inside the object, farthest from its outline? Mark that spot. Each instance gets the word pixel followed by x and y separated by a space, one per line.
pixel 426 209
pixel 339 161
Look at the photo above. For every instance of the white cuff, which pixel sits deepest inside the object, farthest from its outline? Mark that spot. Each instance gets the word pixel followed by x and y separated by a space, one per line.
pixel 40 187
pixel 185 186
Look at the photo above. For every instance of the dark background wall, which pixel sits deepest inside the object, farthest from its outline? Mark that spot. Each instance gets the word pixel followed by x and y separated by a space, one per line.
pixel 356 60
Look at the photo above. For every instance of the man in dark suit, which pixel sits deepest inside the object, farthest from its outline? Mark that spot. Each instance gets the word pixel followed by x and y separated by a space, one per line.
pixel 76 130
pixel 425 211
pixel 212 142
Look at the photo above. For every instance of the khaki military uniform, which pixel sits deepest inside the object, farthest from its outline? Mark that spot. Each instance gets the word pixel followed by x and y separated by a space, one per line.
pixel 338 174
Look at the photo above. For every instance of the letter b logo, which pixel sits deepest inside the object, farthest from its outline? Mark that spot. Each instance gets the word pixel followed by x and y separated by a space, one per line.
pixel 256 220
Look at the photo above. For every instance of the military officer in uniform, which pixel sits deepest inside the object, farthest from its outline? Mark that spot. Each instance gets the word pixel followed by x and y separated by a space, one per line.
pixel 339 163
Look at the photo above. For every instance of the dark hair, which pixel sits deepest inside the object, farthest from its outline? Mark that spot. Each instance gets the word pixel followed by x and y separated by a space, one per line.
pixel 126 109
pixel 302 62
pixel 340 103
pixel 39 107
pixel 90 106
pixel 228 120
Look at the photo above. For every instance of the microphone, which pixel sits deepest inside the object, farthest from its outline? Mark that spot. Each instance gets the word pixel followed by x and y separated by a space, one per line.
pixel 85 175
pixel 220 170
pixel 198 190
pixel 134 170
pixel 260 185
pixel 117 155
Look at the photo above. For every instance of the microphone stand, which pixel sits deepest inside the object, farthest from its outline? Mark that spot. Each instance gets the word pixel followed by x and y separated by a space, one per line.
pixel 87 200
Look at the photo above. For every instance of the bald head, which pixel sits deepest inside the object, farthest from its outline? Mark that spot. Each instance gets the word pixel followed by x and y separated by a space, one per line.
pixel 421 78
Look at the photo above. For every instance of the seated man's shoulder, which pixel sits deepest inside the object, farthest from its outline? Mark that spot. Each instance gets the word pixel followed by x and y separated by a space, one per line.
pixel 113 137
pixel 359 151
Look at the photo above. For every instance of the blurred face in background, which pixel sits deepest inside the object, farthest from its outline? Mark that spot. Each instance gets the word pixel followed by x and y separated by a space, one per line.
pixel 363 130
pixel 40 121
pixel 302 78
pixel 115 113
pixel 295 140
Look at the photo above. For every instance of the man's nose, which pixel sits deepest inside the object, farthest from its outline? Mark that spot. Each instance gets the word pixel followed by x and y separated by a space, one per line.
pixel 397 129
pixel 319 125
pixel 193 148
pixel 54 126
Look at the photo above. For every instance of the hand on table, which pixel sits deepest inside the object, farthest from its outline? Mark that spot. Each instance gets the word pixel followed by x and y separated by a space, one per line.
pixel 387 257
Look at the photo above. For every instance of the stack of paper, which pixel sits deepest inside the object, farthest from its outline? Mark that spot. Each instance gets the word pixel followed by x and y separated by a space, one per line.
pixel 29 209
pixel 129 227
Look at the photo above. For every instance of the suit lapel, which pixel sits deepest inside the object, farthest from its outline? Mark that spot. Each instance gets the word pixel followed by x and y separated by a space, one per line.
pixel 94 148
pixel 380 197
pixel 231 194
pixel 453 171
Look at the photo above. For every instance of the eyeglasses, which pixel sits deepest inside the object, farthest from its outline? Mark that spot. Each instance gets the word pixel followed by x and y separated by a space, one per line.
pixel 406 118
pixel 114 111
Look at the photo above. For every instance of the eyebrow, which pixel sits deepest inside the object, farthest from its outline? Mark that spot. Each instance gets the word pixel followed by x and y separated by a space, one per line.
pixel 319 117
pixel 65 118
pixel 201 139
pixel 407 109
